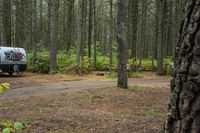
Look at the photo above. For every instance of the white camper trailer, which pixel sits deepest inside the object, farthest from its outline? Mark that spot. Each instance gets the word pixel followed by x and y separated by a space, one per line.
pixel 12 60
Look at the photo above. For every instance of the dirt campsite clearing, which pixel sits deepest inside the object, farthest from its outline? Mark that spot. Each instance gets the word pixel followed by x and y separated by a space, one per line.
pixel 89 104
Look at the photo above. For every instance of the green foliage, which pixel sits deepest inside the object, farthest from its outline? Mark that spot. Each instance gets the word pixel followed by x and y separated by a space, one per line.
pixel 9 127
pixel 86 66
pixel 42 63
pixel 112 75
pixel 19 126
pixel 66 63
pixel 65 60
pixel 103 63
pixel 7 130
pixel 41 47
pixel 167 65
pixel 147 65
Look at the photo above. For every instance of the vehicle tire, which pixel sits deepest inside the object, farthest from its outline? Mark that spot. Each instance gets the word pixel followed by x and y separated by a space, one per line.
pixel 10 73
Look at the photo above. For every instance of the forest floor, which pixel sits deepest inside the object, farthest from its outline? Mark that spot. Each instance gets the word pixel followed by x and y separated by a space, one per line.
pixel 60 103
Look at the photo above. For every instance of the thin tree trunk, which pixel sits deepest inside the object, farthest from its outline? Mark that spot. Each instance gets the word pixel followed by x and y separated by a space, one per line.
pixel 54 11
pixel 134 31
pixel 95 33
pixel 6 24
pixel 33 34
pixel 122 47
pixel 90 27
pixel 111 35
pixel 80 33
pixel 69 30
pixel 160 39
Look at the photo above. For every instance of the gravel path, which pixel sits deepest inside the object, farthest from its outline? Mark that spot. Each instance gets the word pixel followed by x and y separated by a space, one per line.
pixel 75 86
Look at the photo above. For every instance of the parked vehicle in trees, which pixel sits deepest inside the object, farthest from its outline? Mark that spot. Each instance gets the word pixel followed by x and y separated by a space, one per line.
pixel 12 60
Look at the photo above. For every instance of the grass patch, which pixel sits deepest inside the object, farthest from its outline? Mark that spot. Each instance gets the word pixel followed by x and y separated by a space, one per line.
pixel 136 89
pixel 151 113
pixel 15 106
pixel 135 75
pixel 99 110
pixel 148 113
pixel 113 75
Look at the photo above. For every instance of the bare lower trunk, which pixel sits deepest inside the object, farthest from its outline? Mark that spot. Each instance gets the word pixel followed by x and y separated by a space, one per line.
pixel 122 59
pixel 53 35
pixel 33 34
pixel 184 107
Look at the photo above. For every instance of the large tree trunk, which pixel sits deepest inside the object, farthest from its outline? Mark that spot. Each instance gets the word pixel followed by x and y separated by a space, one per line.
pixel 184 107
pixel 120 35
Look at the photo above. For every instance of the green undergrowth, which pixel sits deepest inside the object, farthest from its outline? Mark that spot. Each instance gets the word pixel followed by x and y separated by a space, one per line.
pixel 66 63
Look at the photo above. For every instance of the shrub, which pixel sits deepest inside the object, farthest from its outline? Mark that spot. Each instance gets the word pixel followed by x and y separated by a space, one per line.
pixel 103 63
pixel 64 60
pixel 168 65
pixel 112 75
pixel 85 67
pixel 41 64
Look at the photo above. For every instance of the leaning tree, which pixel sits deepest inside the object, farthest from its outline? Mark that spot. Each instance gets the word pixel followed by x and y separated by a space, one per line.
pixel 184 107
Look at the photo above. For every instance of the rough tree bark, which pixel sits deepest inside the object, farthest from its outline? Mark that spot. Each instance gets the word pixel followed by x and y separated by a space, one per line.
pixel 120 35
pixel 184 106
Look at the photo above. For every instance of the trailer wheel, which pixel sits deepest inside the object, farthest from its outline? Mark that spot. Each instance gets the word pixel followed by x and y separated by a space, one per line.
pixel 10 73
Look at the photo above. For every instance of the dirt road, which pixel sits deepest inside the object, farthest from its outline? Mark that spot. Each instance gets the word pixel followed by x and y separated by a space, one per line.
pixel 75 86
